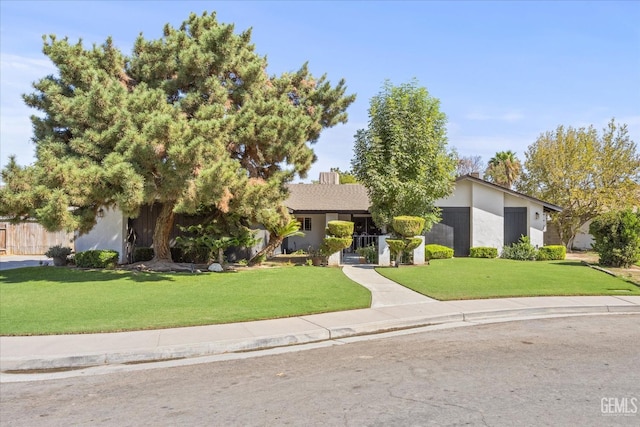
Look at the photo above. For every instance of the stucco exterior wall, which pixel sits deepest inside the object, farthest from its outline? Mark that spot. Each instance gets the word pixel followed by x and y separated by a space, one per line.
pixel 583 239
pixel 311 238
pixel 461 196
pixel 487 217
pixel 108 233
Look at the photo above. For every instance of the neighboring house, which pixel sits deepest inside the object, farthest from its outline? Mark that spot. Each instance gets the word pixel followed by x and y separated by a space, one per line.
pixel 478 213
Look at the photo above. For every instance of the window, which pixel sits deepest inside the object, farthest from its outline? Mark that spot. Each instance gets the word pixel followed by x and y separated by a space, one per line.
pixel 305 224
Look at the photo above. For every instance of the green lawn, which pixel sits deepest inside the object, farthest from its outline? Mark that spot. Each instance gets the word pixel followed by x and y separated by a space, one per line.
pixel 472 278
pixel 50 300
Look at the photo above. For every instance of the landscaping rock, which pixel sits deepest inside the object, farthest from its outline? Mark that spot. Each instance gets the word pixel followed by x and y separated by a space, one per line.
pixel 215 267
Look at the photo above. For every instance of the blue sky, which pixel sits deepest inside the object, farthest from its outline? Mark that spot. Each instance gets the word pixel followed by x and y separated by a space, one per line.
pixel 504 71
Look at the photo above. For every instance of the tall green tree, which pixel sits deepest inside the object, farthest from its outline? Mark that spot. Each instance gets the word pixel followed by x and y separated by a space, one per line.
pixel 503 169
pixel 584 172
pixel 189 121
pixel 402 158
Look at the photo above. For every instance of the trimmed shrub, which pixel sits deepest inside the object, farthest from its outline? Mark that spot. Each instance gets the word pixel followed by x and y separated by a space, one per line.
pixel 521 251
pixel 340 229
pixel 396 246
pixel 551 253
pixel 408 226
pixel 331 245
pixel 483 252
pixel 437 252
pixel 339 237
pixel 142 254
pixel 617 238
pixel 99 258
pixel 412 243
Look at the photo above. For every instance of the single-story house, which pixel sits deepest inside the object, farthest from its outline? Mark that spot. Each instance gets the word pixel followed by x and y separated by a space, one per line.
pixel 477 213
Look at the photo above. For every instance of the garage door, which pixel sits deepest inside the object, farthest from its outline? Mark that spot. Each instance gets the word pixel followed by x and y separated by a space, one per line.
pixel 515 224
pixel 453 231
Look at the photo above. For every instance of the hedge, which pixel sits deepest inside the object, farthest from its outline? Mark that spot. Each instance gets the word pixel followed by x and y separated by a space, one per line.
pixel 552 252
pixel 483 252
pixel 437 252
pixel 99 258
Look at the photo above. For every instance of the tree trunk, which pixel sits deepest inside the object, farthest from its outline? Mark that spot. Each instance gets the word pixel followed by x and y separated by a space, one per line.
pixel 162 233
pixel 274 242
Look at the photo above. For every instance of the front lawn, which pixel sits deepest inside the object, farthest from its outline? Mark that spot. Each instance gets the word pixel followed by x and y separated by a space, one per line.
pixel 472 278
pixel 53 300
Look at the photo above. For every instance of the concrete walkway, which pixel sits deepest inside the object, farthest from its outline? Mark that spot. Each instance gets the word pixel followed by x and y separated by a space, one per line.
pixel 384 292
pixel 393 308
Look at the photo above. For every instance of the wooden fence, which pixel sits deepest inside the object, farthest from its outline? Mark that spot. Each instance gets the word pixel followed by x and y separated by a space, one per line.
pixel 30 238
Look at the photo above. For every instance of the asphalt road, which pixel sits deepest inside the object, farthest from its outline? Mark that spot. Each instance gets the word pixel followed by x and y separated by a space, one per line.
pixel 577 371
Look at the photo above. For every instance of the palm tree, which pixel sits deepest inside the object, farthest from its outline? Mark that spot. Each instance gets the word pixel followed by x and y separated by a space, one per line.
pixel 503 169
pixel 277 234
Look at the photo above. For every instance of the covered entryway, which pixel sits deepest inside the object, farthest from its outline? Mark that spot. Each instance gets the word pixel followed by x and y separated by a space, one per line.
pixel 515 225
pixel 453 231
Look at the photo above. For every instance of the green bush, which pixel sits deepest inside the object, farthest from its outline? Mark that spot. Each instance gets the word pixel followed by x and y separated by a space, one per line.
pixel 370 253
pixel 437 252
pixel 408 226
pixel 521 251
pixel 340 229
pixel 142 254
pixel 552 252
pixel 396 246
pixel 331 245
pixel 483 252
pixel 617 238
pixel 99 258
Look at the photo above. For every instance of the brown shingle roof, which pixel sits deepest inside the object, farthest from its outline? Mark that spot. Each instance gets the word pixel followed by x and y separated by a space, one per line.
pixel 328 198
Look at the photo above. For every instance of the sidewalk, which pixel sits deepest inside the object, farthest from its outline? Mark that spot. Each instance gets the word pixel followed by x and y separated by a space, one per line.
pixel 393 307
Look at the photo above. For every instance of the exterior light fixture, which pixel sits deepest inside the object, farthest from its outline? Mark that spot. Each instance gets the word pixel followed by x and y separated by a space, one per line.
pixel 537 215
pixel 101 213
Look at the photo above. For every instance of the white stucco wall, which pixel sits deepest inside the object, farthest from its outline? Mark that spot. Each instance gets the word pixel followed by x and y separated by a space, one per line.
pixel 583 239
pixel 461 196
pixel 487 217
pixel 311 238
pixel 108 233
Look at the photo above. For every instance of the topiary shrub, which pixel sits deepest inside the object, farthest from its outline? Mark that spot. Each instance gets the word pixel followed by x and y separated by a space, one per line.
pixel 340 229
pixel 617 238
pixel 331 245
pixel 408 226
pixel 437 252
pixel 551 253
pixel 99 258
pixel 483 252
pixel 405 229
pixel 521 251
pixel 142 254
pixel 339 237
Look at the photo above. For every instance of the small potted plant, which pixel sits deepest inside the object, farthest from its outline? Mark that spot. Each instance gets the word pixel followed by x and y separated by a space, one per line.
pixel 59 254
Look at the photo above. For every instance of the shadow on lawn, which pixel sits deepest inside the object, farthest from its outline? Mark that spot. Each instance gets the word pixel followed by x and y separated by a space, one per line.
pixel 569 263
pixel 75 275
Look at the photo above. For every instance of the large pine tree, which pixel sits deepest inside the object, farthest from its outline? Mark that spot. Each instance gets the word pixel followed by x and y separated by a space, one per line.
pixel 188 121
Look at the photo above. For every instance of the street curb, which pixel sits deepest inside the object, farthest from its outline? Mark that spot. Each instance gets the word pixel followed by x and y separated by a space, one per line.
pixel 316 333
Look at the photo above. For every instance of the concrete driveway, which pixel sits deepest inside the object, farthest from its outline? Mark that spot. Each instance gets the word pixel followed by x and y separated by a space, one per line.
pixel 16 261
